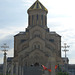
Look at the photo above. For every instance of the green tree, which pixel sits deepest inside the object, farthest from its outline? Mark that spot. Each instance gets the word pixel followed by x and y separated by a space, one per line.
pixel 62 73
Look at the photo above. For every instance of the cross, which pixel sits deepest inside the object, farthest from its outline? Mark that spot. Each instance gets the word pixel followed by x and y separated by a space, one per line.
pixel 5 59
pixel 65 50
pixel 4 50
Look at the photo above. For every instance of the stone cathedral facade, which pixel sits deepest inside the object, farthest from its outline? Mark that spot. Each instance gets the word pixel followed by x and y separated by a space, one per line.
pixel 37 45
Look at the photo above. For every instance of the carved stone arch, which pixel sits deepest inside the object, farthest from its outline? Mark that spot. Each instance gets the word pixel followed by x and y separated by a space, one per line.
pixel 20 60
pixel 34 45
pixel 37 33
pixel 36 58
pixel 25 62
pixel 40 57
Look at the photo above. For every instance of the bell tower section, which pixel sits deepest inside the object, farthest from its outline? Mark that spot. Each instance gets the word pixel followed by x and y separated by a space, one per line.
pixel 37 15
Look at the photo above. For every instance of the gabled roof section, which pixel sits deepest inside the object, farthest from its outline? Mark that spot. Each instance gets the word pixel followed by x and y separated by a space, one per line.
pixel 37 5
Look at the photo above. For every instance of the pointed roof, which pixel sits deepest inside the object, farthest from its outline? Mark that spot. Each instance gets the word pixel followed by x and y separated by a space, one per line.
pixel 37 5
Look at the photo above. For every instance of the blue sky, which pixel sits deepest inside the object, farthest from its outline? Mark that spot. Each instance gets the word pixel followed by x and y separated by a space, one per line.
pixel 60 18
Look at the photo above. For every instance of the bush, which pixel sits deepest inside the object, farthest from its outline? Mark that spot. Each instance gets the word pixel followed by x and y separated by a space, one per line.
pixel 62 73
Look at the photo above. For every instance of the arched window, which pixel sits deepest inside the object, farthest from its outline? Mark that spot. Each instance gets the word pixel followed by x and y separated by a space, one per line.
pixel 29 19
pixel 45 20
pixel 34 46
pixel 37 16
pixel 41 19
pixel 37 45
pixel 37 19
pixel 37 35
pixel 32 19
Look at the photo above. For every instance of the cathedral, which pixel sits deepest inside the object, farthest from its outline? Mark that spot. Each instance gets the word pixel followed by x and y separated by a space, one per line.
pixel 37 45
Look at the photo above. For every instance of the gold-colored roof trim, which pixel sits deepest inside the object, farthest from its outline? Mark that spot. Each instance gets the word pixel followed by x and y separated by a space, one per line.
pixel 37 5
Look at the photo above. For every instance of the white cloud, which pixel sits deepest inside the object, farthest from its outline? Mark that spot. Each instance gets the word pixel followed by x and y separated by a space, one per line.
pixel 72 61
pixel 11 30
pixel 10 53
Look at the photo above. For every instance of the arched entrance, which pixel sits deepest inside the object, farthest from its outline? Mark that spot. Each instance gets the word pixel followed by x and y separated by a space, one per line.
pixel 36 64
pixel 33 69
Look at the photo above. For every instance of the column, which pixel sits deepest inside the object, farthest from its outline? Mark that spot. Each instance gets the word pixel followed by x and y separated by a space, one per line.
pixel 46 72
pixel 20 70
pixel 12 68
pixel 52 65
pixel 49 65
pixel 16 68
pixel 5 64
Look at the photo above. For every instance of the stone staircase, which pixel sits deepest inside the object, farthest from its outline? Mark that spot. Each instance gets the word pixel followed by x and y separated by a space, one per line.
pixel 33 70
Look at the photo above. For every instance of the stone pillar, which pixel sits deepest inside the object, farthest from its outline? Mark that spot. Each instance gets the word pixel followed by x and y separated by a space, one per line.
pixel 20 70
pixel 52 66
pixel 12 68
pixel 5 64
pixel 16 68
pixel 49 65
pixel 46 72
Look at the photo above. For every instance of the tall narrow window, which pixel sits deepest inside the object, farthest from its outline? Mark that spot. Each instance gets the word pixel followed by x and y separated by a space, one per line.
pixel 45 19
pixel 39 46
pixel 34 46
pixel 29 19
pixel 37 19
pixel 32 19
pixel 37 16
pixel 41 19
